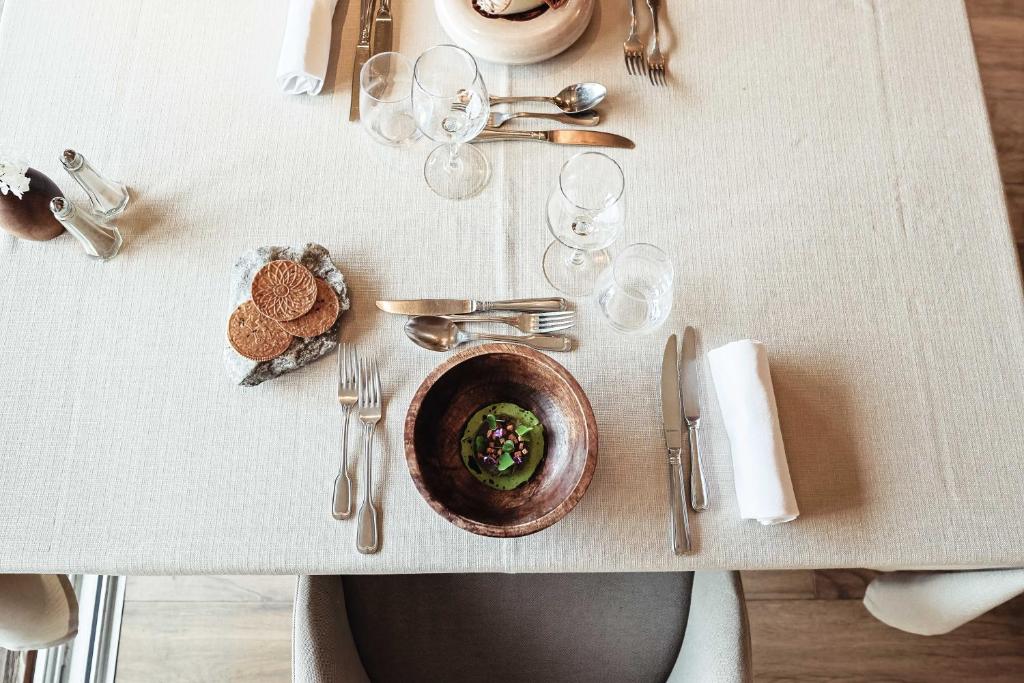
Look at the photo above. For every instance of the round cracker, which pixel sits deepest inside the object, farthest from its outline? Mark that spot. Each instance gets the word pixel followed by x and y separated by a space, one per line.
pixel 283 290
pixel 320 318
pixel 256 336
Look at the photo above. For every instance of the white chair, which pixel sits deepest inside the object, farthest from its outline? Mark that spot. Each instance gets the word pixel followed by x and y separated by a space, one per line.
pixel 933 603
pixel 508 628
pixel 37 611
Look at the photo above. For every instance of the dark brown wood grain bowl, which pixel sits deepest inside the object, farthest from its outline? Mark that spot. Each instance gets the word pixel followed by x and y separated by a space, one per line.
pixel 494 373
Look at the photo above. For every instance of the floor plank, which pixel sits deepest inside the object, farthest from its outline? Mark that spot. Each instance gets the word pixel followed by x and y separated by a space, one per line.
pixel 195 642
pixel 210 589
pixel 778 585
pixel 842 584
pixel 813 641
pixel 997 27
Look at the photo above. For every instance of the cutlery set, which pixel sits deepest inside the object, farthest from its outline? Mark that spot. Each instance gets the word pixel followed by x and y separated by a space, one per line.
pixel 358 388
pixel 381 25
pixel 633 49
pixel 679 406
pixel 576 103
pixel 436 324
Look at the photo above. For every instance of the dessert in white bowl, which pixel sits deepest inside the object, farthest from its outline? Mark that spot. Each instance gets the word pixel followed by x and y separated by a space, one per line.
pixel 533 34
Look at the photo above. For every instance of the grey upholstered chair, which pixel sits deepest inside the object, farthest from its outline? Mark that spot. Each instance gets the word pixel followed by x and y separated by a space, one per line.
pixel 507 628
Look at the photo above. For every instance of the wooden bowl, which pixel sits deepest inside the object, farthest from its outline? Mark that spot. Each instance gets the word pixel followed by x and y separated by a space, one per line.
pixel 494 373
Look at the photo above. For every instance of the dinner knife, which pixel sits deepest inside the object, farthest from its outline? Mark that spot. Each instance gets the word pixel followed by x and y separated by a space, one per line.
pixel 560 136
pixel 672 418
pixel 453 306
pixel 382 28
pixel 691 411
pixel 362 55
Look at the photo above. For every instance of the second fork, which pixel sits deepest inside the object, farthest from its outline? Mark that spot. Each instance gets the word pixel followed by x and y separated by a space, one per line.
pixel 530 323
pixel 367 534
pixel 655 62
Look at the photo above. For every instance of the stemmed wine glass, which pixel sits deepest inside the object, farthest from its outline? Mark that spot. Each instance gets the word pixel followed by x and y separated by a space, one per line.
pixel 585 214
pixel 451 105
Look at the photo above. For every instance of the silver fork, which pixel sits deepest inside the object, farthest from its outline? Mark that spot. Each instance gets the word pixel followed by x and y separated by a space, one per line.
pixel 367 538
pixel 655 63
pixel 348 362
pixel 633 49
pixel 531 323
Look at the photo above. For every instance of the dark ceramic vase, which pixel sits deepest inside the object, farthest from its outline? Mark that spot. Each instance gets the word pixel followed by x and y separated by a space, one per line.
pixel 29 217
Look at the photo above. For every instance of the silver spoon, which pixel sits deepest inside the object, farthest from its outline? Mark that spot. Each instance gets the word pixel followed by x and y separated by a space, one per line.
pixel 441 334
pixel 572 100
pixel 497 119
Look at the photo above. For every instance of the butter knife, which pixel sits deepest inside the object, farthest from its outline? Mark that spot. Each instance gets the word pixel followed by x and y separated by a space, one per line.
pixel 691 411
pixel 672 419
pixel 589 138
pixel 382 28
pixel 362 55
pixel 453 306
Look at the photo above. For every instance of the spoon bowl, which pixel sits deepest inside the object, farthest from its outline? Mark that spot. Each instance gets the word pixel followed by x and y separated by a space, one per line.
pixel 580 97
pixel 434 333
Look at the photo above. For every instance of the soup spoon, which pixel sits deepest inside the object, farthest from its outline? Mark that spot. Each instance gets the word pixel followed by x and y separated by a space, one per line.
pixel 572 99
pixel 441 334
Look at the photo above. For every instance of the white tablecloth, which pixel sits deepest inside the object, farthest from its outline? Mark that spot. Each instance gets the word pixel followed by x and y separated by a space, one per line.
pixel 822 174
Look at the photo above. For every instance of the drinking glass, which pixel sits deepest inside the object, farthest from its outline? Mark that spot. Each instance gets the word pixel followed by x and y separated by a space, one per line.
pixel 450 103
pixel 385 99
pixel 585 214
pixel 635 293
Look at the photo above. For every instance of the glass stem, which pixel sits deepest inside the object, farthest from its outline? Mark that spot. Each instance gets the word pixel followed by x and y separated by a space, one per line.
pixel 576 258
pixel 453 155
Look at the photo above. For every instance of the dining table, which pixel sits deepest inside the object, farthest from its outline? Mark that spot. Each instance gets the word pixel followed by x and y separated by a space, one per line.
pixel 821 173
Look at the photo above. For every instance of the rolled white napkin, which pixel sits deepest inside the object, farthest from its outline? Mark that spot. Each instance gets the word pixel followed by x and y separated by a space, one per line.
pixel 743 383
pixel 306 48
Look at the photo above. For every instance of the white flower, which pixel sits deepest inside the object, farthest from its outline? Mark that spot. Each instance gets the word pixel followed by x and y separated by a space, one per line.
pixel 12 177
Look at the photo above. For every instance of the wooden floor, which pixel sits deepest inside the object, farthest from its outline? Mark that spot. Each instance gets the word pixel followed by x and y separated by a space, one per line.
pixel 807 626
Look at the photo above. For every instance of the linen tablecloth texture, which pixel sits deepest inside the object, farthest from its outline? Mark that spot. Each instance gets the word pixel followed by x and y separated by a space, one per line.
pixel 821 173
pixel 743 386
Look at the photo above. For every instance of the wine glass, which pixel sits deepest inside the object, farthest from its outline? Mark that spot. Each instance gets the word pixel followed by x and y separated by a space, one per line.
pixel 451 105
pixel 385 99
pixel 585 214
pixel 635 294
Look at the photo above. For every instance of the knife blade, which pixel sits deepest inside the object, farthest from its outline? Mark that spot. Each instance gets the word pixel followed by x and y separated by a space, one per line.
pixel 382 25
pixel 691 411
pixel 362 55
pixel 454 306
pixel 561 136
pixel 672 420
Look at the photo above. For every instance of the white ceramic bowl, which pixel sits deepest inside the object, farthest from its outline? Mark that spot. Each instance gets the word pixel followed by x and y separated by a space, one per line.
pixel 514 42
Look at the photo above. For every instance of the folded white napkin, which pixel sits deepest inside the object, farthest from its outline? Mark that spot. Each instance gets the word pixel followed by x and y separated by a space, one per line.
pixel 747 400
pixel 306 47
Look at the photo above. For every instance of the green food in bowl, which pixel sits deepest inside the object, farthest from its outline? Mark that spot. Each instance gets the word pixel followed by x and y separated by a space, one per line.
pixel 503 445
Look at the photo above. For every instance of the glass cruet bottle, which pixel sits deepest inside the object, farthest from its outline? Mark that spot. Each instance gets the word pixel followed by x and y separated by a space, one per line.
pixel 109 198
pixel 98 240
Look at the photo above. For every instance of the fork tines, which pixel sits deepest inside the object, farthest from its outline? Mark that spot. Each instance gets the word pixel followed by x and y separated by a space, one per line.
pixel 656 71
pixel 553 321
pixel 636 65
pixel 348 363
pixel 369 384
